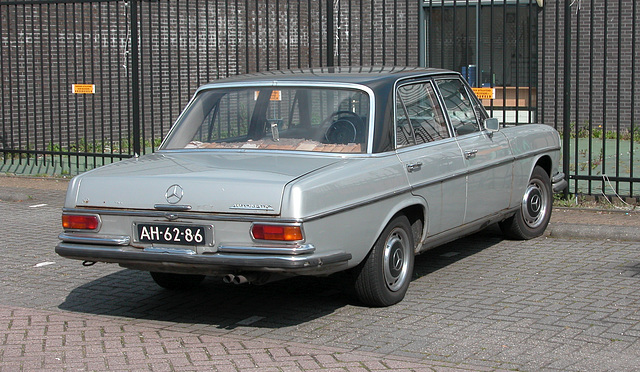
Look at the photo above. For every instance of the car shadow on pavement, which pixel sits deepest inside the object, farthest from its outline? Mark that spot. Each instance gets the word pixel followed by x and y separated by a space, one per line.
pixel 133 294
pixel 457 250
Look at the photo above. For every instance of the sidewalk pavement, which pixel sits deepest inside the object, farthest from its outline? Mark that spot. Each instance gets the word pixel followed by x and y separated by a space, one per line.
pixel 571 223
pixel 484 304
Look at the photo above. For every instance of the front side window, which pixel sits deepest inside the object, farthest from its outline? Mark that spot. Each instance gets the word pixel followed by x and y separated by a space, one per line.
pixel 268 118
pixel 459 106
pixel 419 117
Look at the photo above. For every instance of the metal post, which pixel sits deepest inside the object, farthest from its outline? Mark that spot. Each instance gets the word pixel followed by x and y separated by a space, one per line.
pixel 135 78
pixel 566 108
pixel 330 35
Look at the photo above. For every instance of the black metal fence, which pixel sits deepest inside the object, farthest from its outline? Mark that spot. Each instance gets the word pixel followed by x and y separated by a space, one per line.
pixel 140 61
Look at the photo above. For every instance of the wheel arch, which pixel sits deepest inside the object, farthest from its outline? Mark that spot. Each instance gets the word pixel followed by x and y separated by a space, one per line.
pixel 545 163
pixel 416 212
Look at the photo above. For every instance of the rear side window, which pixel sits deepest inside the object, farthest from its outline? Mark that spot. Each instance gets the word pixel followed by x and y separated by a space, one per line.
pixel 419 118
pixel 459 106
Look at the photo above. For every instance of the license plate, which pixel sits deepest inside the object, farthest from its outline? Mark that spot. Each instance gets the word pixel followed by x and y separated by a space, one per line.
pixel 194 235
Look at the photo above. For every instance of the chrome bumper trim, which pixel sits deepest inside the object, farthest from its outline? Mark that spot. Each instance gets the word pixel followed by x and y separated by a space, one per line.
pixel 558 182
pixel 279 250
pixel 95 239
pixel 129 255
pixel 169 250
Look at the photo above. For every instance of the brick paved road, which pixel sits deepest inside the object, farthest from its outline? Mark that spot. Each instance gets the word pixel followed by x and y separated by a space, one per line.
pixel 479 303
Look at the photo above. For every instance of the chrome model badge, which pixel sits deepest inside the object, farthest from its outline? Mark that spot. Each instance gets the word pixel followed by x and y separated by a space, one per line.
pixel 252 207
pixel 174 194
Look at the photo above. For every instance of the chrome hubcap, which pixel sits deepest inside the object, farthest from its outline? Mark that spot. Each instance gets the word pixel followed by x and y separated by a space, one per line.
pixel 396 259
pixel 534 204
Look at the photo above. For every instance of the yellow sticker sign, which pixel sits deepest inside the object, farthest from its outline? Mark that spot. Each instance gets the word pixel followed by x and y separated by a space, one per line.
pixel 485 93
pixel 83 88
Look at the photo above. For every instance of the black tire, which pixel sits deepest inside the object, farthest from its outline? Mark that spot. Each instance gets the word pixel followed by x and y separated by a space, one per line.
pixel 384 276
pixel 534 213
pixel 176 281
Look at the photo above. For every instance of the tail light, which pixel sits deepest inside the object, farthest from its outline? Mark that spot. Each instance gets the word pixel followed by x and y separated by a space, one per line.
pixel 285 233
pixel 80 222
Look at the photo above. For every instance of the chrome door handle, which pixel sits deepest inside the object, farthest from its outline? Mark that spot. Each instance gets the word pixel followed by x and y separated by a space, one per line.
pixel 470 154
pixel 414 166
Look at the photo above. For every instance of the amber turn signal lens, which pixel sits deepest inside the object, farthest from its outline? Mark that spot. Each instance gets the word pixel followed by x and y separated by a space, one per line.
pixel 80 222
pixel 276 232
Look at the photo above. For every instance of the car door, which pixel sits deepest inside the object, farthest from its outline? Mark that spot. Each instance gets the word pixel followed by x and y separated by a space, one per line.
pixel 487 156
pixel 430 155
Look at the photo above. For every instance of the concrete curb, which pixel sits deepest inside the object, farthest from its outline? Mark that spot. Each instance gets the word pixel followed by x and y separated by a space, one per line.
pixel 595 232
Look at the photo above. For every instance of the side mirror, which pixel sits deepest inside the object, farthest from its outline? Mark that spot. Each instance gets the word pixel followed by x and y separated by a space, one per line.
pixel 492 124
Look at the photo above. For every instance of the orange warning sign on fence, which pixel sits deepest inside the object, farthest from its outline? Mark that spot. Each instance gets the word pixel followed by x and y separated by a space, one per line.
pixel 83 88
pixel 485 93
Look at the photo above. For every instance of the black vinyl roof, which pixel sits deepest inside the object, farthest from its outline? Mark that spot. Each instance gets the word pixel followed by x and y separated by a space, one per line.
pixel 371 76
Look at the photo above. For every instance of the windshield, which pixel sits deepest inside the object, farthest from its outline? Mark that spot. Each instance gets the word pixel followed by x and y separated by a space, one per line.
pixel 275 118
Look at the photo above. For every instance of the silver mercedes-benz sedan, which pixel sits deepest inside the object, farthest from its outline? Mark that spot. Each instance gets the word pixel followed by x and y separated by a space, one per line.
pixel 278 174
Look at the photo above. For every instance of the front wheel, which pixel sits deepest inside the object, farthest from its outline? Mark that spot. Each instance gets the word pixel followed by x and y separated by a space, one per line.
pixel 534 213
pixel 383 278
pixel 176 281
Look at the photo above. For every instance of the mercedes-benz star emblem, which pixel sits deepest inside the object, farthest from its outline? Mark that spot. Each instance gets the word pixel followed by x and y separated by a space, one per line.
pixel 397 259
pixel 535 203
pixel 174 194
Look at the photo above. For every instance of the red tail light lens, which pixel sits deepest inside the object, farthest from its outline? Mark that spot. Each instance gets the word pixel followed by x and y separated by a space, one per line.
pixel 276 232
pixel 80 222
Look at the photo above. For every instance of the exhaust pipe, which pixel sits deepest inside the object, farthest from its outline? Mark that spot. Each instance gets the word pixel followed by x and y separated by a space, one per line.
pixel 256 278
pixel 242 279
pixel 228 279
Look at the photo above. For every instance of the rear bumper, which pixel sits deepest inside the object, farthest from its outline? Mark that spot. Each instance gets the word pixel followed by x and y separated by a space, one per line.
pixel 186 260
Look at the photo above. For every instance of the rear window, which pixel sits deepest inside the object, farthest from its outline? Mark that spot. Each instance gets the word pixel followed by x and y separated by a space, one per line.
pixel 269 118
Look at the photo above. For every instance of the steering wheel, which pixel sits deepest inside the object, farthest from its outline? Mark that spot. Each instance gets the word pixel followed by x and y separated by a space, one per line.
pixel 344 128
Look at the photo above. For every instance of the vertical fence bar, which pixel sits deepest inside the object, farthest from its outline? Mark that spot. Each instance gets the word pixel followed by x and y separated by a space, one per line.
pixel 604 96
pixel 320 43
pixel 361 61
pixel 557 72
pixel 533 45
pixel 19 89
pixel 267 41
pixel 491 52
pixel 541 94
pixel 350 32
pixel 395 33
pixel 576 141
pixel 3 135
pixel 406 36
pixel 135 78
pixel 152 82
pixel 330 35
pixel 591 91
pixel 288 12
pixel 34 89
pixel 632 129
pixel 618 102
pixel 277 12
pixel 517 47
pixel 566 117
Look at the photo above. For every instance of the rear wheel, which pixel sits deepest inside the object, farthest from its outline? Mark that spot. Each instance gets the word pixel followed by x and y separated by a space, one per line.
pixel 176 281
pixel 532 218
pixel 383 278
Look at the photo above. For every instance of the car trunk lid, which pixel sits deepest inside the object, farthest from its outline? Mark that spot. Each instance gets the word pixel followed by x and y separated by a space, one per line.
pixel 203 182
